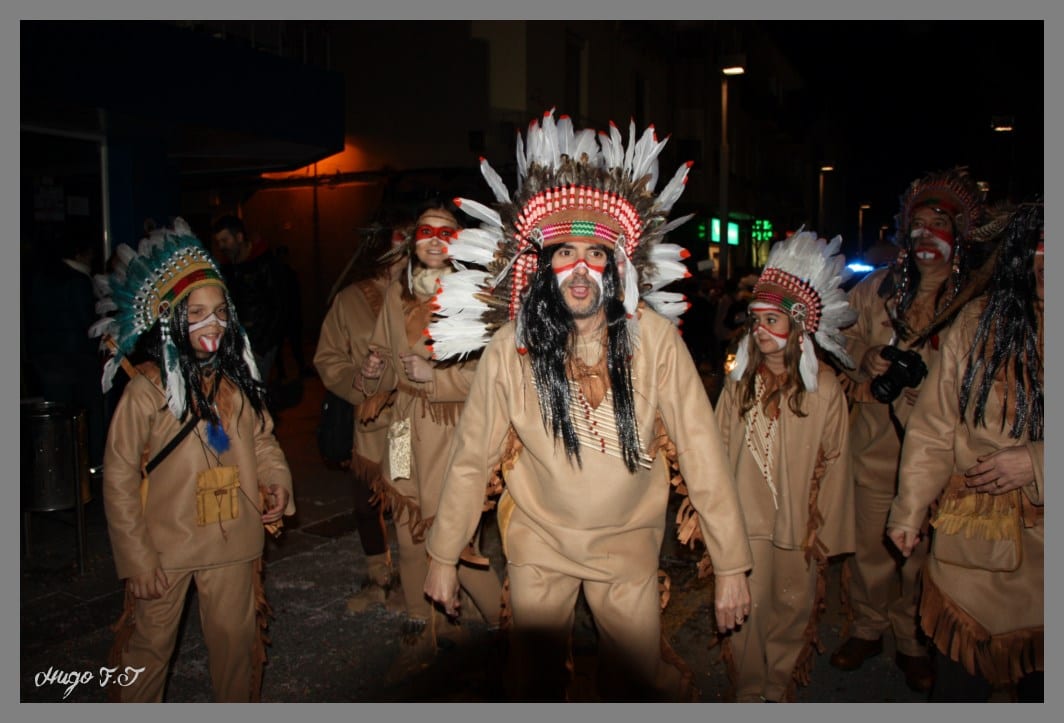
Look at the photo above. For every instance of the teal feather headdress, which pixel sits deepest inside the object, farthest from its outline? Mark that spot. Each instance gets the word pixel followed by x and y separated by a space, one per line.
pixel 144 289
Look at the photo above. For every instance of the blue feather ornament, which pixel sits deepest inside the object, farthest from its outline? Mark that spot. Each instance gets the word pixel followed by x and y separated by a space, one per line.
pixel 217 438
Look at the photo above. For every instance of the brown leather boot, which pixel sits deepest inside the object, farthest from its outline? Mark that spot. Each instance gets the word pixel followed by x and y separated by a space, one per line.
pixel 376 587
pixel 852 653
pixel 919 674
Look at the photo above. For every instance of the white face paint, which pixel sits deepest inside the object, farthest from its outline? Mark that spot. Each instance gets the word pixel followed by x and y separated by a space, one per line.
pixel 207 342
pixel 771 324
pixel 212 319
pixel 929 247
pixel 593 273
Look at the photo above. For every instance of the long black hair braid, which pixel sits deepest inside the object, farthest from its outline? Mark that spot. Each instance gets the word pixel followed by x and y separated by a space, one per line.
pixel 1007 333
pixel 548 332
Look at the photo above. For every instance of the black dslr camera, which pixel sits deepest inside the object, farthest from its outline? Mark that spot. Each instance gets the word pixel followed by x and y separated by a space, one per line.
pixel 907 369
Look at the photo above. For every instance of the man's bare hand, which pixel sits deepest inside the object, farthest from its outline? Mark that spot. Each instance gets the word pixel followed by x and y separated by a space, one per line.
pixel 373 366
pixel 904 540
pixel 417 369
pixel 441 586
pixel 872 363
pixel 1001 471
pixel 732 600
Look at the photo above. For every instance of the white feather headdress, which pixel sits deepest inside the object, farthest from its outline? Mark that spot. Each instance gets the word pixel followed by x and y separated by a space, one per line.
pixel 803 277
pixel 570 183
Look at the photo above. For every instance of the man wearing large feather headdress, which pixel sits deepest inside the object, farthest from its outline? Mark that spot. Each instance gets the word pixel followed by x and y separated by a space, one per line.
pixel 579 399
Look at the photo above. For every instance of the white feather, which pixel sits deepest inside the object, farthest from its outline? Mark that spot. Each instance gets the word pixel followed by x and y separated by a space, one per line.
pixel 669 304
pixel 630 280
pixel 742 358
pixel 479 211
pixel 674 189
pixel 809 365
pixel 502 194
pixel 476 245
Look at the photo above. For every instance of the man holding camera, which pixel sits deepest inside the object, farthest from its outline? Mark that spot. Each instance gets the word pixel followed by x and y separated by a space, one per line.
pixel 901 310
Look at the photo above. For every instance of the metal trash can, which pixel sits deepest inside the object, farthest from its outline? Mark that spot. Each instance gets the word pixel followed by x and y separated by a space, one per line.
pixel 55 464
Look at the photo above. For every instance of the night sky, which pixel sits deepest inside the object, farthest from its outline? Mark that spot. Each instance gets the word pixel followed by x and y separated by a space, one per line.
pixel 909 97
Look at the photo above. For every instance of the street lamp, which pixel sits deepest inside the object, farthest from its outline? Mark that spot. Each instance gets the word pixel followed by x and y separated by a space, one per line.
pixel 860 227
pixel 1005 124
pixel 824 169
pixel 731 65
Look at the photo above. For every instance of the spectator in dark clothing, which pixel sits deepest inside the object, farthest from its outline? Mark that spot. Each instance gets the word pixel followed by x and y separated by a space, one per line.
pixel 292 328
pixel 256 285
pixel 698 321
pixel 730 321
pixel 64 360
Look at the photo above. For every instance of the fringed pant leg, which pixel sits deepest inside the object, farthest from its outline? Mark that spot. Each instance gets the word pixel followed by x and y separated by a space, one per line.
pixel 145 636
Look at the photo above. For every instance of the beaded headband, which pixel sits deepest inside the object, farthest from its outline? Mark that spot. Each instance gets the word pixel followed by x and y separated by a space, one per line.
pixel 803 276
pixel 791 294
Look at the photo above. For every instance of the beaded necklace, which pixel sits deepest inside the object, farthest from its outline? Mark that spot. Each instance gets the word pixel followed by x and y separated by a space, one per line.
pixel 761 433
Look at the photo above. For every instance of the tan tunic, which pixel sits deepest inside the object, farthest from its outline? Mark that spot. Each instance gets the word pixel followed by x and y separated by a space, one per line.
pixel 342 347
pixel 801 444
pixel 599 521
pixel 165 533
pixel 433 407
pixel 983 598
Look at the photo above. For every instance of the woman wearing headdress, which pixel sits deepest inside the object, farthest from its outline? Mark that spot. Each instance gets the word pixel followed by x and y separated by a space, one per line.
pixel 192 471
pixel 429 399
pixel 784 423
pixel 976 437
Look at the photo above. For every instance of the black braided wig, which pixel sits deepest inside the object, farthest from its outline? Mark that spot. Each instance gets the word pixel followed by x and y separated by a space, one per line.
pixel 1007 334
pixel 548 330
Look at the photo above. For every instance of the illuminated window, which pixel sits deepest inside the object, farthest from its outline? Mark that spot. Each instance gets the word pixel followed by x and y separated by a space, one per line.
pixel 762 230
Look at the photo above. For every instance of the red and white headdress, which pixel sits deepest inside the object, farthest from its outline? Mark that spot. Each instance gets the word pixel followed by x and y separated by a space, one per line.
pixel 803 277
pixel 571 184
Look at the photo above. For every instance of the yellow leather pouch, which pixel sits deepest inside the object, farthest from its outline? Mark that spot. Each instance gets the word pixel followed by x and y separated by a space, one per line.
pixel 217 495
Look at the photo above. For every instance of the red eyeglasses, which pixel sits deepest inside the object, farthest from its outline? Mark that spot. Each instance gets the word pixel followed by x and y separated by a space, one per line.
pixel 443 233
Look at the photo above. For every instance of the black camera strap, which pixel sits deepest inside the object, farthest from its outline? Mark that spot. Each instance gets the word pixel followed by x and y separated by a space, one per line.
pixel 898 428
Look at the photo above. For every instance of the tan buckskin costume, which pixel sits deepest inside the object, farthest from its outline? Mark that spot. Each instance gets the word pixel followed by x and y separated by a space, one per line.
pixel 875 449
pixel 192 471
pixel 433 409
pixel 937 270
pixel 983 591
pixel 791 468
pixel 342 346
pixel 598 523
pixel 223 558
pixel 775 648
pixel 583 398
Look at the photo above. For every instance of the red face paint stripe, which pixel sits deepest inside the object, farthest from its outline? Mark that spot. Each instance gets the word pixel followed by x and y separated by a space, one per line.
pixel 567 267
